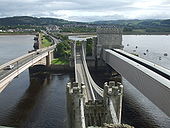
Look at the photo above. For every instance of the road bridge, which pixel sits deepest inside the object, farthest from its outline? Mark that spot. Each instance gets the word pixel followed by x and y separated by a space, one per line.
pixel 10 70
pixel 22 63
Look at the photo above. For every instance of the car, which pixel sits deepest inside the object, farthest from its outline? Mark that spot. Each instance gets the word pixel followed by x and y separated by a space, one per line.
pixel 9 67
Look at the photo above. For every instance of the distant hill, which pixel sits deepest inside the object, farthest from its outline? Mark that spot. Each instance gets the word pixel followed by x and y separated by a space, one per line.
pixel 27 20
pixel 139 26
pixel 129 26
pixel 137 23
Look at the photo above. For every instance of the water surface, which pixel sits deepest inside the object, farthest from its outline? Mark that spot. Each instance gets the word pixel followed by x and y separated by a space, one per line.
pixel 12 46
pixel 150 47
pixel 34 102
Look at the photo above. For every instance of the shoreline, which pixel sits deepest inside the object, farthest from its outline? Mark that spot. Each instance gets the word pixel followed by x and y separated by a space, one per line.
pixel 89 34
pixel 166 34
pixel 124 33
pixel 17 34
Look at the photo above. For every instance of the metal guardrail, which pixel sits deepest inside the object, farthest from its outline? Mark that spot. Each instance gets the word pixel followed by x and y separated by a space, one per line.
pixel 20 64
pixel 11 74
pixel 24 56
pixel 20 61
pixel 15 60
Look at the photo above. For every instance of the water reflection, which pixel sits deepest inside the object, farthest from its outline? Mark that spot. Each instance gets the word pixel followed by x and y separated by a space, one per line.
pixel 27 102
pixel 43 104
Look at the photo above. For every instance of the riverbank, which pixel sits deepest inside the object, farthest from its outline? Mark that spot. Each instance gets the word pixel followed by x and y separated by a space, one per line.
pixel 124 33
pixel 60 68
pixel 146 33
pixel 15 33
pixel 46 41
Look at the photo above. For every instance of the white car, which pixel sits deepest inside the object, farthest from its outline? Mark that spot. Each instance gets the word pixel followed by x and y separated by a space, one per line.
pixel 9 67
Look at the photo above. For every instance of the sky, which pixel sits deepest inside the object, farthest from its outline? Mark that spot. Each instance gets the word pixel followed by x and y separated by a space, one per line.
pixel 87 10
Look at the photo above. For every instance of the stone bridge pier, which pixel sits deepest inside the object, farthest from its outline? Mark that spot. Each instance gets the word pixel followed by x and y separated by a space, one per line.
pixel 42 64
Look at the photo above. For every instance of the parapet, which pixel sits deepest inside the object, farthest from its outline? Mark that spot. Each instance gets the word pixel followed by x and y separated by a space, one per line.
pixel 108 30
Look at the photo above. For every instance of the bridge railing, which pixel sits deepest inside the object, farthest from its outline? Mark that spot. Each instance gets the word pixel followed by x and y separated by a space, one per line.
pixel 25 56
pixel 15 60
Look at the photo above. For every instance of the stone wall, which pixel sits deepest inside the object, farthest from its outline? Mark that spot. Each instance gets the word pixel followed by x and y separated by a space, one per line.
pixel 108 37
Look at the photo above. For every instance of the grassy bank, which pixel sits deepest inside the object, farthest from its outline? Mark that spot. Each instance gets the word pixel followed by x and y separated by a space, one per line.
pixel 63 52
pixel 45 40
pixel 60 61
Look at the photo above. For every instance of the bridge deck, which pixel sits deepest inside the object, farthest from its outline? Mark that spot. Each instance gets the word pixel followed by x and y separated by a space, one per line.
pixel 154 86
pixel 82 76
pixel 21 64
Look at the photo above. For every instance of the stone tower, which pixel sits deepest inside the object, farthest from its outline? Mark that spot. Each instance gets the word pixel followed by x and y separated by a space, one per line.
pixel 108 38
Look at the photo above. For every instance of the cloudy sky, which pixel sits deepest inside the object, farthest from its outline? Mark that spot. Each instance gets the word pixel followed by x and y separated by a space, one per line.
pixel 87 10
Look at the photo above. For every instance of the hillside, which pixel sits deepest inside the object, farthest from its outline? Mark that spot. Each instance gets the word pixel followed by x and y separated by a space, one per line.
pixel 142 26
pixel 26 20
pixel 135 26
pixel 141 23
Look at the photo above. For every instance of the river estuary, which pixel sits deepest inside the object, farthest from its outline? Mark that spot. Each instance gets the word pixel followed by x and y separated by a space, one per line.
pixel 41 102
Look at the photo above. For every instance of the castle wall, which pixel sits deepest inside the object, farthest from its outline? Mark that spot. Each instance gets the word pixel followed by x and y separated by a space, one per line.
pixel 108 37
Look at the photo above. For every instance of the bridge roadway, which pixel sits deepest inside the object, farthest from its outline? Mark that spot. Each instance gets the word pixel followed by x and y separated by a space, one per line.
pixel 55 41
pixel 21 64
pixel 150 79
pixel 94 92
pixel 82 76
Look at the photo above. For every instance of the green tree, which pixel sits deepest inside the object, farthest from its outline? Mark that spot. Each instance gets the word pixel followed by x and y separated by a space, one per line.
pixel 89 44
